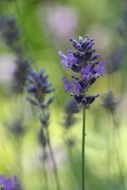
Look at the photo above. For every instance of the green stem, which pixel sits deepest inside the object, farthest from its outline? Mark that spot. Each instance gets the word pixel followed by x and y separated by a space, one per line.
pixel 83 148
pixel 45 170
pixel 19 156
pixel 119 167
pixel 119 164
pixel 54 162
pixel 108 149
pixel 72 164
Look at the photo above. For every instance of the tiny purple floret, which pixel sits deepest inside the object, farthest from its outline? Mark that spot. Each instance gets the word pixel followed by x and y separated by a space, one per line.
pixel 100 69
pixel 67 60
pixel 67 85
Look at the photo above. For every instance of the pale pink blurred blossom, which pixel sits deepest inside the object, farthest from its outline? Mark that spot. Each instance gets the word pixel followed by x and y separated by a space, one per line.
pixel 61 21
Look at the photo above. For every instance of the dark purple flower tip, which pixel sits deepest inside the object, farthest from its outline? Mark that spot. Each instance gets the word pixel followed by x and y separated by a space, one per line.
pixel 88 100
pixel 85 101
pixel 83 44
pixel 94 57
pixel 78 98
pixel 89 46
pixel 76 44
pixel 67 60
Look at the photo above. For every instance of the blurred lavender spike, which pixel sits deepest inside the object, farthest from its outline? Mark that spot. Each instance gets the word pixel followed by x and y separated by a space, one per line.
pixel 109 102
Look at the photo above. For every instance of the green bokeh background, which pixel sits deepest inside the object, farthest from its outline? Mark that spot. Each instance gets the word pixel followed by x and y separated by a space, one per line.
pixel 20 155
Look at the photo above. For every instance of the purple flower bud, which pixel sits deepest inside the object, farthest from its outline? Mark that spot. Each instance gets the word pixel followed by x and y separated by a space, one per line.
pixel 95 57
pixel 75 44
pixel 90 45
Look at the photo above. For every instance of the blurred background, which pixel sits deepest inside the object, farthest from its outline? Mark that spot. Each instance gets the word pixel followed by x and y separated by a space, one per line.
pixel 32 32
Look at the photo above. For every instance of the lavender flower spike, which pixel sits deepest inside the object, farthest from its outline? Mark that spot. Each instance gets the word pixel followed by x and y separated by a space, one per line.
pixel 84 63
pixel 38 87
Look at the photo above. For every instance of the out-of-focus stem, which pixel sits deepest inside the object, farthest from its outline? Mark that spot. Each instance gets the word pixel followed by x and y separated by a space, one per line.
pixel 121 177
pixel 45 170
pixel 54 162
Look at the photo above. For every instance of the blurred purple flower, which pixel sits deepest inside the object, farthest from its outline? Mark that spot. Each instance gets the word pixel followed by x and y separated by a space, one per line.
pixel 10 31
pixel 38 87
pixel 71 108
pixel 10 184
pixel 117 59
pixel 109 102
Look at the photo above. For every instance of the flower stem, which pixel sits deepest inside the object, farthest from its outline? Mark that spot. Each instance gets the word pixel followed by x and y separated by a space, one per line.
pixel 118 159
pixel 54 162
pixel 119 167
pixel 83 148
pixel 45 169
